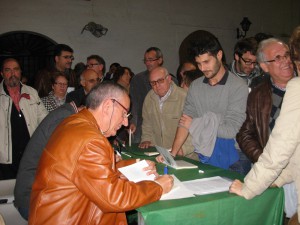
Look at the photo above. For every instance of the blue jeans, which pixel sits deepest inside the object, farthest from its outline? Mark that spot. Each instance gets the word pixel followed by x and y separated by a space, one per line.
pixel 242 166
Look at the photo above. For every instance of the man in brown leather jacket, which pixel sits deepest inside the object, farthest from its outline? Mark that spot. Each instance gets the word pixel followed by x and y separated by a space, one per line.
pixel 77 181
pixel 264 102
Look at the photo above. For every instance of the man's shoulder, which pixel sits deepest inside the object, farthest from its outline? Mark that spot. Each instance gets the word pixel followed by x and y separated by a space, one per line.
pixel 30 90
pixel 179 91
pixel 140 76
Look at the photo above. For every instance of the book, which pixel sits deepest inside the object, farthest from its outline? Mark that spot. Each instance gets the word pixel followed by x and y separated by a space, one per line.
pixel 153 153
pixel 176 164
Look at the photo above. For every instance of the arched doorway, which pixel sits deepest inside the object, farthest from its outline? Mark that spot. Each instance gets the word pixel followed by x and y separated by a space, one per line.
pixel 33 50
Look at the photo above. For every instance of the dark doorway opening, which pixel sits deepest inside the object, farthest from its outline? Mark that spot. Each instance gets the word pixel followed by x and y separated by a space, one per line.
pixel 34 51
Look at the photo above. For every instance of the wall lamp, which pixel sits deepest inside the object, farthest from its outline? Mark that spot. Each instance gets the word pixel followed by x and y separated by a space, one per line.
pixel 245 24
pixel 96 29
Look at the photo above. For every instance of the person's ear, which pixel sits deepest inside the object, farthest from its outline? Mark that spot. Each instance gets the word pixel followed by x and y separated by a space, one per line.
pixel 160 61
pixel 236 57
pixel 101 67
pixel 82 82
pixel 220 55
pixel 56 58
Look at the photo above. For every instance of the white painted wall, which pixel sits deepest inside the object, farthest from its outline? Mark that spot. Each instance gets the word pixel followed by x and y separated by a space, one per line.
pixel 135 25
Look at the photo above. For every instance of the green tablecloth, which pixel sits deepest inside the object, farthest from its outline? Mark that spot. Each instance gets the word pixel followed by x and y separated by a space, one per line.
pixel 213 209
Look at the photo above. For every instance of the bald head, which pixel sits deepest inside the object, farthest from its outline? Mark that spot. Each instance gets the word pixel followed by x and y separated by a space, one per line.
pixel 88 79
pixel 160 81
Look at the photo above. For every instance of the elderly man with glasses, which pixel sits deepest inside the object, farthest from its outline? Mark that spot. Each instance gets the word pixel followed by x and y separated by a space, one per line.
pixel 88 79
pixel 139 87
pixel 245 64
pixel 265 101
pixel 162 110
pixel 77 180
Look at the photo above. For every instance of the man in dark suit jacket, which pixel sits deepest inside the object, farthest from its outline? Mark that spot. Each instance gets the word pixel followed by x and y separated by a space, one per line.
pixel 88 79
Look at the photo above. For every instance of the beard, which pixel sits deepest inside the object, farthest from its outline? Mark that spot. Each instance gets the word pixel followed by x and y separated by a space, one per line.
pixel 13 81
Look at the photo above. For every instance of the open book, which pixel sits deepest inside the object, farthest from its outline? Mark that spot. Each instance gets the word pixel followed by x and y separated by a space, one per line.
pixel 168 160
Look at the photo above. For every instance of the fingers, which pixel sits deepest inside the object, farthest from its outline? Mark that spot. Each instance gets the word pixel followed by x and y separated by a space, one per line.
pixel 145 144
pixel 159 159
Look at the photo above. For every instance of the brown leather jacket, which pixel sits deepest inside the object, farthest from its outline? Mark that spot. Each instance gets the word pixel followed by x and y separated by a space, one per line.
pixel 254 133
pixel 77 181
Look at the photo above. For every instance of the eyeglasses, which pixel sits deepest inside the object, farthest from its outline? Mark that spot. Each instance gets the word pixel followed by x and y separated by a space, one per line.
pixel 150 60
pixel 280 58
pixel 249 62
pixel 61 84
pixel 92 81
pixel 68 57
pixel 8 70
pixel 92 65
pixel 126 114
pixel 159 81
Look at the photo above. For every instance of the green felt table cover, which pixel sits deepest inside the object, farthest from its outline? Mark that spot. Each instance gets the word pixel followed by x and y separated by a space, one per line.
pixel 213 209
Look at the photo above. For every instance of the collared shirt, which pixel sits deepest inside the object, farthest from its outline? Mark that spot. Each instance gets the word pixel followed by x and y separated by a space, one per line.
pixel 221 82
pixel 164 98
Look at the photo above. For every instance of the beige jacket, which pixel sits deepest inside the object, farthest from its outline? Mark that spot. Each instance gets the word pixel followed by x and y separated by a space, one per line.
pixel 160 127
pixel 279 162
pixel 33 111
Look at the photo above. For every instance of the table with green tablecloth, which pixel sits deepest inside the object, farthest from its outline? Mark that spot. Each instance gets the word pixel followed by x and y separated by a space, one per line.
pixel 212 209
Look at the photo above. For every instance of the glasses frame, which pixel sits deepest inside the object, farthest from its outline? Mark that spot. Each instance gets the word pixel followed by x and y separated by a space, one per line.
pixel 92 65
pixel 150 60
pixel 159 81
pixel 125 115
pixel 61 84
pixel 68 57
pixel 92 81
pixel 249 63
pixel 279 58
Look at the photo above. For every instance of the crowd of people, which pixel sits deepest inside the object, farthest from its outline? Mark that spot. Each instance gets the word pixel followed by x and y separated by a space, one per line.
pixel 58 136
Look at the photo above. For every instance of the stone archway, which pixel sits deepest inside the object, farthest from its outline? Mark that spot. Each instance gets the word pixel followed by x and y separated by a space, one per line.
pixel 34 51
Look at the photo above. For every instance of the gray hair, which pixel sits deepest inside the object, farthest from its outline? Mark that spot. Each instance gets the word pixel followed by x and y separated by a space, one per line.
pixel 260 55
pixel 104 91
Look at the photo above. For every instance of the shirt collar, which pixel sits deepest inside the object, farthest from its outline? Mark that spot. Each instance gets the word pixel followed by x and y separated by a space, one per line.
pixel 221 82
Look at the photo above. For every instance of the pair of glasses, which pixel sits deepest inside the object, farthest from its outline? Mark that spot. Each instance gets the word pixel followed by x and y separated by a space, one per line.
pixel 249 62
pixel 68 57
pixel 280 58
pixel 15 70
pixel 126 114
pixel 92 65
pixel 150 60
pixel 61 84
pixel 92 81
pixel 159 81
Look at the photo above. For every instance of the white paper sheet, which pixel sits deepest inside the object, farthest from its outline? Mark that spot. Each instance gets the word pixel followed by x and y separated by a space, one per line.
pixel 178 191
pixel 135 172
pixel 208 185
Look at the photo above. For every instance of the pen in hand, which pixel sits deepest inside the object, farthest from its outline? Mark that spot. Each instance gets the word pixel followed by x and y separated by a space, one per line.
pixel 166 169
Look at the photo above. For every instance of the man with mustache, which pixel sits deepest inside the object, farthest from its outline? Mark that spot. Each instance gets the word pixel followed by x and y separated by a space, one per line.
pixel 21 112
